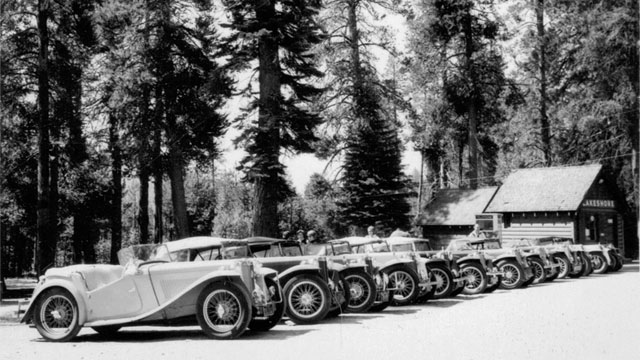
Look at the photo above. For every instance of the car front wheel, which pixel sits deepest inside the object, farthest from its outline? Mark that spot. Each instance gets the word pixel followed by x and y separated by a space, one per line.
pixel 56 315
pixel 599 263
pixel 223 310
pixel 404 281
pixel 476 278
pixel 308 299
pixel 513 274
pixel 362 291
pixel 539 274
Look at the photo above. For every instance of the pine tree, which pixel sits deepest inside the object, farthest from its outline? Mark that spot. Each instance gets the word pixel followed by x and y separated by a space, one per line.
pixel 279 35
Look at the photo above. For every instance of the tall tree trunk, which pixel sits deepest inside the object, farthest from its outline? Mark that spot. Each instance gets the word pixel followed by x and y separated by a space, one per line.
pixel 354 42
pixel 177 191
pixel 143 216
pixel 80 234
pixel 265 215
pixel 53 201
pixel 544 119
pixel 43 258
pixel 158 174
pixel 471 105
pixel 116 189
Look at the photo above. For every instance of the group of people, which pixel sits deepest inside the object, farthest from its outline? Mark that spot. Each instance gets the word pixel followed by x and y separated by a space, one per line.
pixel 308 238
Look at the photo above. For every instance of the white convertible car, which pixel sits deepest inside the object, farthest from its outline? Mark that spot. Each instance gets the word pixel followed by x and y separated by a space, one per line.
pixel 150 287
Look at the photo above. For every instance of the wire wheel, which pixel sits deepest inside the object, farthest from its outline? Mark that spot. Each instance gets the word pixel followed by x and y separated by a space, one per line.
pixel 443 282
pixel 360 291
pixel 512 277
pixel 563 269
pixel 539 274
pixel 474 277
pixel 404 285
pixel 599 263
pixel 56 315
pixel 223 310
pixel 306 299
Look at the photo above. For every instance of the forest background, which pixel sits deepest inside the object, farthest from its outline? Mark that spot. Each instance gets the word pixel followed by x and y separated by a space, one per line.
pixel 114 113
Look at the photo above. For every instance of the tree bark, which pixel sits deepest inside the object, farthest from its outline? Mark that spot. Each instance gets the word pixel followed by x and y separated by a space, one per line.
pixel 43 240
pixel 544 119
pixel 158 174
pixel 80 234
pixel 143 216
pixel 116 189
pixel 265 216
pixel 471 106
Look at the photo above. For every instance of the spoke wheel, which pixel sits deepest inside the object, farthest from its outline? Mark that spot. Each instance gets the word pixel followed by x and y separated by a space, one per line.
pixel 361 290
pixel 405 285
pixel 444 282
pixel 539 273
pixel 307 298
pixel 512 277
pixel 223 310
pixel 56 315
pixel 564 268
pixel 476 278
pixel 599 263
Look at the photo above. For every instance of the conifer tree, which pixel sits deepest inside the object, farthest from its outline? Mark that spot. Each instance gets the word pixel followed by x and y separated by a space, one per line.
pixel 279 35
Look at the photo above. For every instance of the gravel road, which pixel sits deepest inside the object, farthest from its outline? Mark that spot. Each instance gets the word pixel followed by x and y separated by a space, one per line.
pixel 597 317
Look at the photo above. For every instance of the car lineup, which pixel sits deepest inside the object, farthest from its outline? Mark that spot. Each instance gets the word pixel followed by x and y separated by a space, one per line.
pixel 227 286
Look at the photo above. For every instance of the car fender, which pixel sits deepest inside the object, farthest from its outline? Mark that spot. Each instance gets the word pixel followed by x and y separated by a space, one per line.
pixel 296 270
pixel 393 262
pixel 186 295
pixel 69 284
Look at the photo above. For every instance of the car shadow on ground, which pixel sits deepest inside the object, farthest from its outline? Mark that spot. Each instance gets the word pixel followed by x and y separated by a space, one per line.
pixel 280 332
pixel 350 319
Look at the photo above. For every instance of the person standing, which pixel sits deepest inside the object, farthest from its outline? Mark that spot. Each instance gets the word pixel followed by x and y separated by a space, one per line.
pixel 371 233
pixel 476 233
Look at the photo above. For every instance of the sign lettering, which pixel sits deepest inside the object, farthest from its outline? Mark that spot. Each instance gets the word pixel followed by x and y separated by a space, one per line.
pixel 599 203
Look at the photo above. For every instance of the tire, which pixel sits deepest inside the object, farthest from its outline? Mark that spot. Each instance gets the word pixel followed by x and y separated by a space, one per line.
pixel 444 278
pixel 599 263
pixel 539 274
pixel 513 277
pixel 307 299
pixel 577 272
pixel 426 295
pixel 362 290
pixel 339 305
pixel 565 265
pixel 273 320
pixel 552 274
pixel 107 330
pixel 457 291
pixel 223 310
pixel 492 285
pixel 587 268
pixel 56 315
pixel 619 262
pixel 614 262
pixel 406 281
pixel 478 278
pixel 381 305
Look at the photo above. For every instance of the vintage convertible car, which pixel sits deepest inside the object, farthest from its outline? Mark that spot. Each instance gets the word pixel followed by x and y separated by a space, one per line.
pixel 311 285
pixel 409 277
pixel 480 273
pixel 446 273
pixel 365 295
pixel 516 267
pixel 358 273
pixel 572 259
pixel 153 287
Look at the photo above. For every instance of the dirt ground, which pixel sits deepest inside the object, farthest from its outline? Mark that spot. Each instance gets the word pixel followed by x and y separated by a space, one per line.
pixel 586 318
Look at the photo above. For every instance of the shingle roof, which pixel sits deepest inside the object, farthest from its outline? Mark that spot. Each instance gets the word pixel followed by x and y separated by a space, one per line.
pixel 545 189
pixel 456 207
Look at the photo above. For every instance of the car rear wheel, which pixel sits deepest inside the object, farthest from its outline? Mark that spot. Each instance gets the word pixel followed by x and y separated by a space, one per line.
pixel 476 278
pixel 493 284
pixel 599 263
pixel 307 299
pixel 56 315
pixel 619 262
pixel 362 290
pixel 513 274
pixel 223 310
pixel 404 281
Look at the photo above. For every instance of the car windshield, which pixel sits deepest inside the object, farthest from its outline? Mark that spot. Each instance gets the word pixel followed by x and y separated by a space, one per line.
pixel 515 243
pixel 147 252
pixel 374 247
pixel 459 245
pixel 422 246
pixel 490 245
pixel 402 247
pixel 290 249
